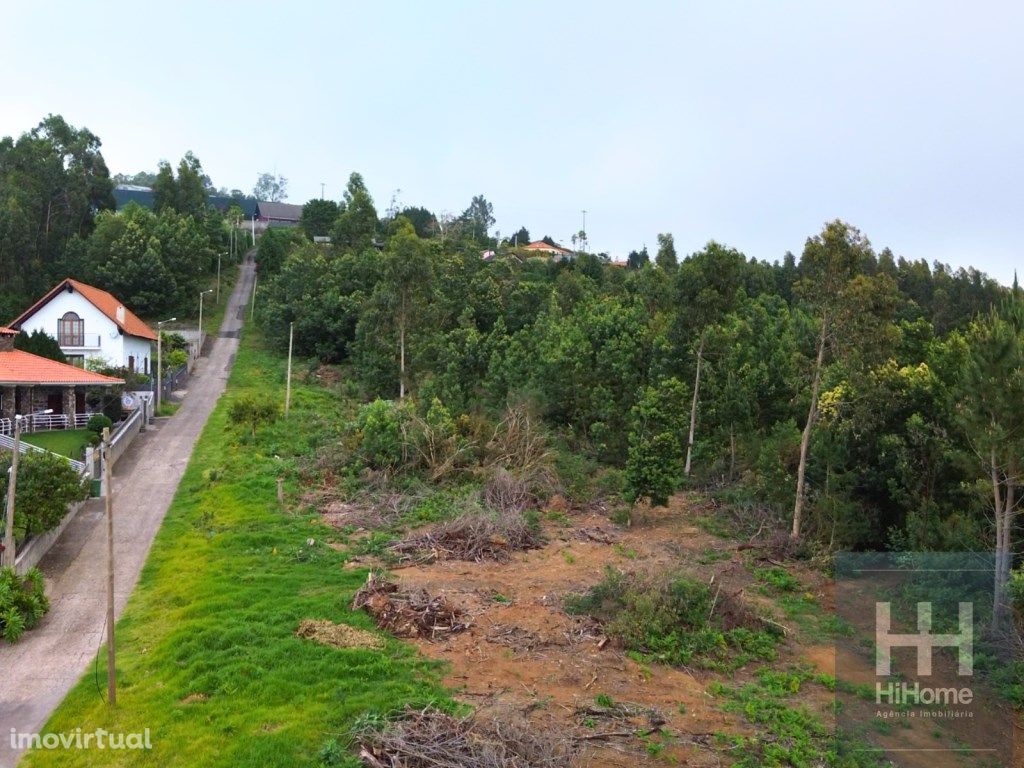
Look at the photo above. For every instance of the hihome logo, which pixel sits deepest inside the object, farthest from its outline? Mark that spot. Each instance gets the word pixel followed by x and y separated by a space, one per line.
pixel 924 642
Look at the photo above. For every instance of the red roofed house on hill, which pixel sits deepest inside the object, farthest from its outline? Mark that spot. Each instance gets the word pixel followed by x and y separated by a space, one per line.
pixel 89 322
pixel 555 251
pixel 30 383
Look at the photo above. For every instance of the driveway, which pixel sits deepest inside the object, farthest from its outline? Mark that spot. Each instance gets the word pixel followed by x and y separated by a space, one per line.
pixel 37 672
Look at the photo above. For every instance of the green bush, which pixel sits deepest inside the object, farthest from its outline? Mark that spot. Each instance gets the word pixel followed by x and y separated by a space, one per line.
pixel 252 411
pixel 97 423
pixel 675 619
pixel 22 602
pixel 47 484
pixel 175 359
pixel 380 434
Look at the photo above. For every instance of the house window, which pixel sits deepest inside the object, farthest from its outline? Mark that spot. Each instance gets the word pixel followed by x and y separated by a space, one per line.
pixel 76 360
pixel 131 363
pixel 71 330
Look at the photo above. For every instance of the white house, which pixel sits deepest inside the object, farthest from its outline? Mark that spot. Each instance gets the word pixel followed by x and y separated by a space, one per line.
pixel 89 322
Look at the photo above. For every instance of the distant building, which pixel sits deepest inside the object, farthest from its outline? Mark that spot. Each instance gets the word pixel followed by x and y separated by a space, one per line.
pixel 89 322
pixel 540 247
pixel 130 193
pixel 277 214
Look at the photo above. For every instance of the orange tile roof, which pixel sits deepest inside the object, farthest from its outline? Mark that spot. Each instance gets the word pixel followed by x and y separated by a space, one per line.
pixel 5 331
pixel 105 302
pixel 540 245
pixel 24 368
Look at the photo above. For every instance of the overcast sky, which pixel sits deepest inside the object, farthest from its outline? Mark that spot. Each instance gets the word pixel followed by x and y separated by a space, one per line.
pixel 749 123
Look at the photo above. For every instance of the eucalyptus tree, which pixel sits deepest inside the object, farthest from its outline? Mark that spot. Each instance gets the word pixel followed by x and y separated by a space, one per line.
pixel 708 286
pixel 852 312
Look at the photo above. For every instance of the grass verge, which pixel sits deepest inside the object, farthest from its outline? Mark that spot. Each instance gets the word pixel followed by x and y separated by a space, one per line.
pixel 208 657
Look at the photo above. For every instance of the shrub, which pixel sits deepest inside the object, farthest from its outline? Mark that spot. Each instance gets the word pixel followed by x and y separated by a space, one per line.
pixel 675 619
pixel 253 411
pixel 22 602
pixel 174 359
pixel 380 434
pixel 47 484
pixel 97 423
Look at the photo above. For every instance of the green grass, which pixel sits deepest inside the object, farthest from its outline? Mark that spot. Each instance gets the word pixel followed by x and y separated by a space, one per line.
pixel 788 732
pixel 167 408
pixel 68 442
pixel 208 659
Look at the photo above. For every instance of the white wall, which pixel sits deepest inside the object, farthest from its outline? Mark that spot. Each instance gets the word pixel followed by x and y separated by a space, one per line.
pixel 103 339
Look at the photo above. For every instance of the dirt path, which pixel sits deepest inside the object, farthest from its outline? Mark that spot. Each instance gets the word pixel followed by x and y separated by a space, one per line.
pixel 37 672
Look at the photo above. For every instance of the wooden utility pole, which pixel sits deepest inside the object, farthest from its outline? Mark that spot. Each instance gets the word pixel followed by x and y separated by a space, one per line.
pixel 252 308
pixel 12 480
pixel 111 664
pixel 288 385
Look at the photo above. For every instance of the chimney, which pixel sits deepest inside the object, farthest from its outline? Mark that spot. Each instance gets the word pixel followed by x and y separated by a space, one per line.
pixel 7 339
pixel 120 314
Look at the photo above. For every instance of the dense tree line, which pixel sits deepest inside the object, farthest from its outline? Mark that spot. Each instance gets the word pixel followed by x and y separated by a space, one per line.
pixel 57 220
pixel 868 401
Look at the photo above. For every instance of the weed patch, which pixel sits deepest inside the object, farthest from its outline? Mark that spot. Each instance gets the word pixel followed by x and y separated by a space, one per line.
pixel 671 618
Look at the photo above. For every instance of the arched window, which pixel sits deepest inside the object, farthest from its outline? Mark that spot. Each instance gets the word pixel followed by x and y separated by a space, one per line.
pixel 71 330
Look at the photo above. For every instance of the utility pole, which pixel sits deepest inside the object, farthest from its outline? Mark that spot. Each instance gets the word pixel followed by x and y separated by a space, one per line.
pixel 252 308
pixel 201 294
pixel 584 230
pixel 111 663
pixel 288 385
pixel 9 553
pixel 219 254
pixel 321 190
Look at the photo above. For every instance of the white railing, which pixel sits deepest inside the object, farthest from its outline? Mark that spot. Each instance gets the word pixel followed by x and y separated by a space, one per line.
pixel 6 427
pixel 23 447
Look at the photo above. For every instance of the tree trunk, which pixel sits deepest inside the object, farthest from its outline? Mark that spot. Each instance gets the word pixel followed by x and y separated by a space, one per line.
pixel 1004 500
pixel 997 500
pixel 401 354
pixel 693 407
pixel 732 452
pixel 805 440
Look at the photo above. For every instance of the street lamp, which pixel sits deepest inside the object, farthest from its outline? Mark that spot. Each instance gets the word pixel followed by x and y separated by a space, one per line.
pixel 201 294
pixel 160 360
pixel 9 552
pixel 219 254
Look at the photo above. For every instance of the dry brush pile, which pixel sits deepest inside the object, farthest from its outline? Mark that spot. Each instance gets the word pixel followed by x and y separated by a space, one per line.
pixel 433 739
pixel 407 613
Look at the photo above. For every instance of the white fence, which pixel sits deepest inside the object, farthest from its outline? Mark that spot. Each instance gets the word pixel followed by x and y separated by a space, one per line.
pixel 42 422
pixel 7 443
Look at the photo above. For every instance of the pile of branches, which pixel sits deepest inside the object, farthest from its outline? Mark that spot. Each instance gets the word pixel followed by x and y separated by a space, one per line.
pixel 506 492
pixel 433 739
pixel 474 536
pixel 407 613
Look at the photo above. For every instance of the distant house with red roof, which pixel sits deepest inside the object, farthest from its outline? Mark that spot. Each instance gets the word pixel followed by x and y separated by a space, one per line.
pixel 90 322
pixel 541 247
pixel 30 383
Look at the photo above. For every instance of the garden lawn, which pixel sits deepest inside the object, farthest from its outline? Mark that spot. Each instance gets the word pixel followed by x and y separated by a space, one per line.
pixel 207 658
pixel 68 442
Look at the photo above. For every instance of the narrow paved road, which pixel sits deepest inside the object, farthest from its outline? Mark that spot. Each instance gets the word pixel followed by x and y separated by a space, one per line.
pixel 37 672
